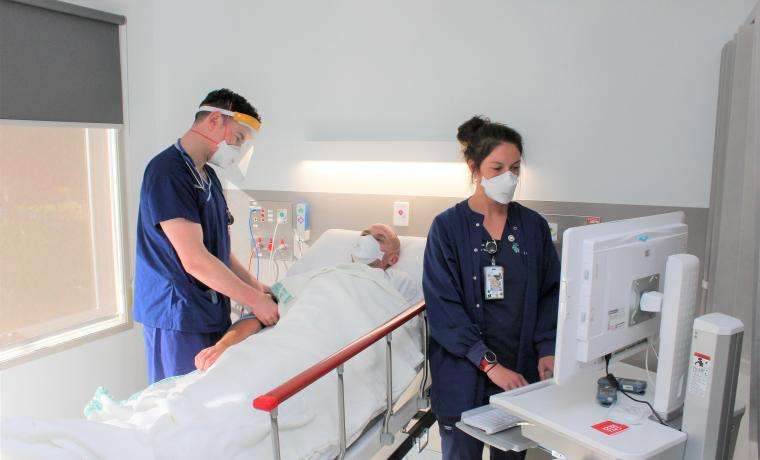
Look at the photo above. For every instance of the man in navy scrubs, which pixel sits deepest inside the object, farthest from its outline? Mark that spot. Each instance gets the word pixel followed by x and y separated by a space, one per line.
pixel 185 273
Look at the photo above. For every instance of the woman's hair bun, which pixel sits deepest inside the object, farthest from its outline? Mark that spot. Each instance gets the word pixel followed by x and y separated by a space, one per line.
pixel 467 131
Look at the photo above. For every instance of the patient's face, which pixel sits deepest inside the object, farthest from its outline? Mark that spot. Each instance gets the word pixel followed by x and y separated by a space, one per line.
pixel 389 244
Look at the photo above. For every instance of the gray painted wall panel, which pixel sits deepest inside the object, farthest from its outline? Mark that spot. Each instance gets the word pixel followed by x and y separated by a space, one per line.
pixel 336 210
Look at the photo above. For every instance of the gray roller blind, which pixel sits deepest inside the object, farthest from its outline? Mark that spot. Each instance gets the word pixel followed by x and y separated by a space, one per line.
pixel 59 62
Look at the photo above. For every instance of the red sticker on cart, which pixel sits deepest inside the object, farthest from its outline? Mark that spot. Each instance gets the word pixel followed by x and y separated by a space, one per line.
pixel 610 428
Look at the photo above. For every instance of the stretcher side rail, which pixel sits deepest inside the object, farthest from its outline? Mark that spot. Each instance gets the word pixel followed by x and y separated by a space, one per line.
pixel 270 401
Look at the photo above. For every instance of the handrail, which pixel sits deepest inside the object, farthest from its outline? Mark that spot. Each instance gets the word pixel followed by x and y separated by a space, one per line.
pixel 269 401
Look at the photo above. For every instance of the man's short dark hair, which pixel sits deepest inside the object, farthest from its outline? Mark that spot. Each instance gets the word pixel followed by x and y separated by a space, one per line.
pixel 228 100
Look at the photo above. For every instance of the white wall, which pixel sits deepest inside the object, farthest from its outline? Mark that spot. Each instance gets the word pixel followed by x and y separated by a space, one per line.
pixel 616 100
pixel 60 385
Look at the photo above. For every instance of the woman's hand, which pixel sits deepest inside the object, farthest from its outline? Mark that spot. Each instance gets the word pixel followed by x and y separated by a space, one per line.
pixel 546 367
pixel 208 356
pixel 505 379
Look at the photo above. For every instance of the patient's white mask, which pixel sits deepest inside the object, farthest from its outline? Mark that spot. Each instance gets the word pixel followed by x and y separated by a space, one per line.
pixel 500 188
pixel 366 250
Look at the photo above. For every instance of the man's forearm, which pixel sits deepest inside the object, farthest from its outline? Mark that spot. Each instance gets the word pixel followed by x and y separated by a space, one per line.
pixel 243 273
pixel 240 331
pixel 213 273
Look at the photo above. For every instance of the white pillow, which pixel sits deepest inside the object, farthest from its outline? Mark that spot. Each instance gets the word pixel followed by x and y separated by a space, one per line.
pixel 334 245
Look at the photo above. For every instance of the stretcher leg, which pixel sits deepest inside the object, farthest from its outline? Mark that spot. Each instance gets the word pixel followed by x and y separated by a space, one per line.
pixel 386 437
pixel 341 412
pixel 275 434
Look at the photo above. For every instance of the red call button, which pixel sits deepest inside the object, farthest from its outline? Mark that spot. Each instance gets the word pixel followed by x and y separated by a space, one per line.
pixel 610 428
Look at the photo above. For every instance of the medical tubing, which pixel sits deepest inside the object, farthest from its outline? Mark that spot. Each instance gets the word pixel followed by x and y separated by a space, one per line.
pixel 258 262
pixel 284 267
pixel 646 362
pixel 250 223
pixel 254 245
pixel 273 250
pixel 646 367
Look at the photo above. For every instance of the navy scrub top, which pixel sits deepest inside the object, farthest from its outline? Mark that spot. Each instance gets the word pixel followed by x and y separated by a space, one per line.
pixel 166 296
pixel 503 317
pixel 463 326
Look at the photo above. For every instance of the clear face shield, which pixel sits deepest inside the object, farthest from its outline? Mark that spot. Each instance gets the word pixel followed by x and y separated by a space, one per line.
pixel 230 157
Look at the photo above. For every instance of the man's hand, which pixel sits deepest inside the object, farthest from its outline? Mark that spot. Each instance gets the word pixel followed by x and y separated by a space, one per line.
pixel 506 379
pixel 546 367
pixel 208 356
pixel 258 285
pixel 266 311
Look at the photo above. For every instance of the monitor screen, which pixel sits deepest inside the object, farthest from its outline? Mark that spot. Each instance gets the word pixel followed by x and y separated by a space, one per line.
pixel 605 270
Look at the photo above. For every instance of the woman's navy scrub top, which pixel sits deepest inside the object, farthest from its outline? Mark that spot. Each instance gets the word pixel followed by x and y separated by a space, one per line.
pixel 166 296
pixel 520 329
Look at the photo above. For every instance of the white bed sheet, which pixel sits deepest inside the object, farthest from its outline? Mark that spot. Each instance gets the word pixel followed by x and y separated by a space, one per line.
pixel 203 415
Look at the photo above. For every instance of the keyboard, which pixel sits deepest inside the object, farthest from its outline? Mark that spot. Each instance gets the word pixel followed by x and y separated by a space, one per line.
pixel 490 419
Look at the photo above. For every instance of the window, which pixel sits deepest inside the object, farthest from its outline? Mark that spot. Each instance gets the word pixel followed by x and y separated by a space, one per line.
pixel 62 271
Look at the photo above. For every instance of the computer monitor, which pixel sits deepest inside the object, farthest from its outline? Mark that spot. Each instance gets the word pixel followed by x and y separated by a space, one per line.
pixel 605 270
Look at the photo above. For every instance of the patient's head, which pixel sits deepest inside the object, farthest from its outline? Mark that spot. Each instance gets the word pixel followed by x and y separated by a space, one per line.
pixel 377 247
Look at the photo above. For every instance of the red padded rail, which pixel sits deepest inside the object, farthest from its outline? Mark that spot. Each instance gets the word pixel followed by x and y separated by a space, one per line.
pixel 277 396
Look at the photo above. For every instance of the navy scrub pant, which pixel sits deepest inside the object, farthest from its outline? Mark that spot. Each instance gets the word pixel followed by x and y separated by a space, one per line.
pixel 169 353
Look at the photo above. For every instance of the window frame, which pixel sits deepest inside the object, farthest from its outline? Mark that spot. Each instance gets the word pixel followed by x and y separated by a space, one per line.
pixel 88 331
pixel 91 331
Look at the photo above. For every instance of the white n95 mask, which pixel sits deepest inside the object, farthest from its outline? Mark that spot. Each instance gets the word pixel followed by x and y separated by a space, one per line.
pixel 500 188
pixel 226 155
pixel 231 160
pixel 366 250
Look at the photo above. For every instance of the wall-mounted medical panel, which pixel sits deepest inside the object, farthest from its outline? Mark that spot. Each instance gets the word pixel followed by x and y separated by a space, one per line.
pixel 271 230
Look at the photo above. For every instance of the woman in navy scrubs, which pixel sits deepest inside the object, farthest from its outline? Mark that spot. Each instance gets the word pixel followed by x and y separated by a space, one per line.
pixel 491 283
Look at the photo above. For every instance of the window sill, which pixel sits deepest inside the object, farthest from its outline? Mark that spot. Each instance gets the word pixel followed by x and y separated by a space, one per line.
pixel 96 329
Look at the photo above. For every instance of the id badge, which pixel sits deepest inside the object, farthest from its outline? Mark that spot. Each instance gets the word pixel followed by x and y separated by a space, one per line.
pixel 493 278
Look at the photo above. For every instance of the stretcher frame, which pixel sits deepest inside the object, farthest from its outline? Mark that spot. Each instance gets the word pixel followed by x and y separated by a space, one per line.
pixel 409 417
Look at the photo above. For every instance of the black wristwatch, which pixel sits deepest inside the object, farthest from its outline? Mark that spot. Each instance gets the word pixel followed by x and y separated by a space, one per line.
pixel 489 359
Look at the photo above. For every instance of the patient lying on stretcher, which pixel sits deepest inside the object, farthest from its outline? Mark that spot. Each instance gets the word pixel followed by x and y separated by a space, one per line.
pixel 208 414
pixel 379 247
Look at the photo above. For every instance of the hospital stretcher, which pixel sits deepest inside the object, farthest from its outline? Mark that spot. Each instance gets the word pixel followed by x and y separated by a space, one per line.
pixel 408 414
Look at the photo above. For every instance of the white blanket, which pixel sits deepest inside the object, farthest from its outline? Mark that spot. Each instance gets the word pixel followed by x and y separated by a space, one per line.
pixel 209 415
